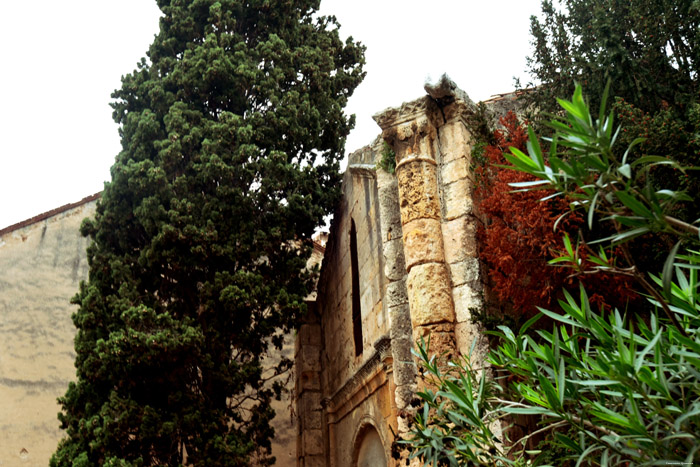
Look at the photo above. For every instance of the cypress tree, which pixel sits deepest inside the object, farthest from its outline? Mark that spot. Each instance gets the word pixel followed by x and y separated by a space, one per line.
pixel 232 132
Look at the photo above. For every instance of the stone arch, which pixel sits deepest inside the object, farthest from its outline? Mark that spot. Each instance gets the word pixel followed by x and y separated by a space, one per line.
pixel 368 448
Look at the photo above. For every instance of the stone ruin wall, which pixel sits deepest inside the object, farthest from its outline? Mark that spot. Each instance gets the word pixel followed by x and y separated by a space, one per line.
pixel 419 274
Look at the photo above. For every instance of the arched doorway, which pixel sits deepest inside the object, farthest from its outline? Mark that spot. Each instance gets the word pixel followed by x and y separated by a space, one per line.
pixel 371 450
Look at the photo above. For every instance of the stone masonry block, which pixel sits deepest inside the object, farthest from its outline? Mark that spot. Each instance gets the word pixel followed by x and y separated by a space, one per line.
pixel 309 402
pixel 400 319
pixel 394 261
pixel 312 420
pixel 418 197
pixel 455 141
pixel 309 334
pixel 314 461
pixel 422 242
pixel 465 272
pixel 404 394
pixel 401 348
pixel 465 297
pixel 366 300
pixel 454 170
pixel 312 442
pixel 441 342
pixel 388 190
pixel 396 294
pixel 310 357
pixel 429 294
pixel 405 372
pixel 308 380
pixel 458 199
pixel 468 334
pixel 459 237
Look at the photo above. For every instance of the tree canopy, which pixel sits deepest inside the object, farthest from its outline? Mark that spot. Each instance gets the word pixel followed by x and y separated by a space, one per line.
pixel 232 131
pixel 649 51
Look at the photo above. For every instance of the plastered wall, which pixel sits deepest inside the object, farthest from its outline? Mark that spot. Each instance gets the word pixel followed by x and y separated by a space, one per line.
pixel 41 266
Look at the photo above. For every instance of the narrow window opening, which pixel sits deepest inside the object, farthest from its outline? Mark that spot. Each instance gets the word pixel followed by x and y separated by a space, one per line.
pixel 356 312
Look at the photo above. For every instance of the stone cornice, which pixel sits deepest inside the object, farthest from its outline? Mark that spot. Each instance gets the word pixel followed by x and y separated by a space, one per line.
pixel 408 111
pixel 382 351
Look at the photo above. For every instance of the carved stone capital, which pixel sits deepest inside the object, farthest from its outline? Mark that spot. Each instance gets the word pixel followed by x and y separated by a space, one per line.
pixel 407 112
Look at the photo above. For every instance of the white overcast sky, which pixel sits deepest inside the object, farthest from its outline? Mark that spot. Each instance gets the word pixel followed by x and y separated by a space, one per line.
pixel 61 60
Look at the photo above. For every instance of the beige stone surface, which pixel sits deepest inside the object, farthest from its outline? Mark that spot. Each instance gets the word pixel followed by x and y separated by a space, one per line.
pixel 455 141
pixel 464 272
pixel 465 297
pixel 459 237
pixel 457 169
pixel 361 206
pixel 457 199
pixel 41 266
pixel 422 239
pixel 429 294
pixel 418 191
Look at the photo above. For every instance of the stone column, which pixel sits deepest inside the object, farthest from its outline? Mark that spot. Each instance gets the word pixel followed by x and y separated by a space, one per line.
pixel 396 298
pixel 412 133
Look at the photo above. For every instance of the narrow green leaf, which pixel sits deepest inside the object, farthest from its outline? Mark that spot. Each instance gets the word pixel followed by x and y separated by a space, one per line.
pixel 667 272
pixel 625 170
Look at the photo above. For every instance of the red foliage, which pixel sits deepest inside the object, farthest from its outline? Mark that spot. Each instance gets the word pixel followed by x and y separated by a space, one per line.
pixel 519 238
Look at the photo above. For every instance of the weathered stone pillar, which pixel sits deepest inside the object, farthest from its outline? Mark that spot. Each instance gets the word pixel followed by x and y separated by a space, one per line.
pixel 396 298
pixel 459 221
pixel 412 133
pixel 307 358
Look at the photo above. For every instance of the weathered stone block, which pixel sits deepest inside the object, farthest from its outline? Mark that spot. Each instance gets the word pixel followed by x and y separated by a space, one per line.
pixel 405 394
pixel 441 342
pixel 309 381
pixel 418 197
pixel 466 296
pixel 312 442
pixel 465 272
pixel 366 300
pixel 385 400
pixel 309 334
pixel 310 402
pixel 466 334
pixel 389 205
pixel 314 461
pixel 458 199
pixel 404 372
pixel 459 237
pixel 311 420
pixel 401 347
pixel 400 322
pixel 455 141
pixel 310 358
pixel 429 294
pixel 394 262
pixel 422 242
pixel 454 170
pixel 396 295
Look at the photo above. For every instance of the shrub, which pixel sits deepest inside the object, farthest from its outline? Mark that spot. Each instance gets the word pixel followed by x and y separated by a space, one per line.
pixel 606 388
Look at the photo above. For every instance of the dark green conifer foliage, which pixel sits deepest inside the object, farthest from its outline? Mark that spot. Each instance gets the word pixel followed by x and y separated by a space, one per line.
pixel 232 132
pixel 649 50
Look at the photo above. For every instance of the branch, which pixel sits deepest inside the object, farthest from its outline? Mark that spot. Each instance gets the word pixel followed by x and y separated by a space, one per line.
pixel 682 225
